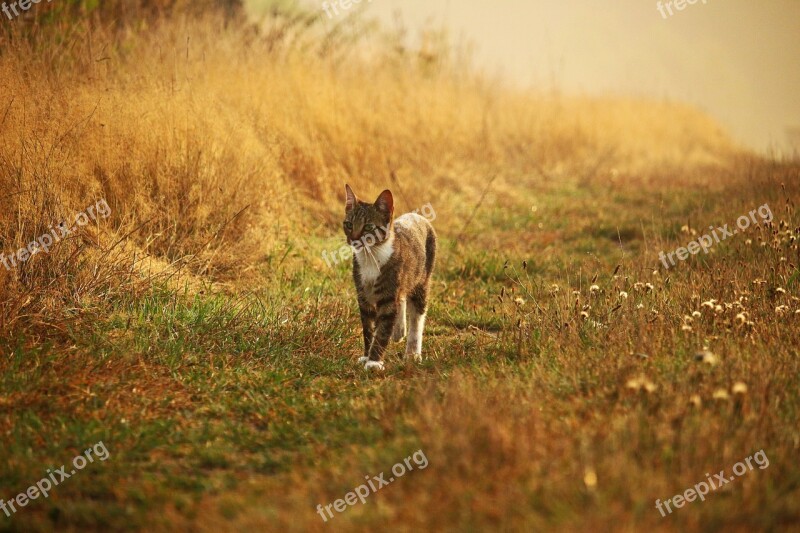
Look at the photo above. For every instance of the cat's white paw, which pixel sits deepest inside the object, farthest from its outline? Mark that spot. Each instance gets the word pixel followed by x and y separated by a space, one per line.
pixel 362 360
pixel 373 365
pixel 416 356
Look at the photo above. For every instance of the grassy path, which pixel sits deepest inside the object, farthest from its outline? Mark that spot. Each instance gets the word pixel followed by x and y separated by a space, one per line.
pixel 559 393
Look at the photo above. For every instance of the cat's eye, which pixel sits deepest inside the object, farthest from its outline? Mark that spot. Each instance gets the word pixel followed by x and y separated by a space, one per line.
pixel 369 227
pixel 348 225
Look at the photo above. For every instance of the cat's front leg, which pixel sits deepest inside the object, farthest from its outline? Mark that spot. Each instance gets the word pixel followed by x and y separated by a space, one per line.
pixel 368 314
pixel 400 324
pixel 387 310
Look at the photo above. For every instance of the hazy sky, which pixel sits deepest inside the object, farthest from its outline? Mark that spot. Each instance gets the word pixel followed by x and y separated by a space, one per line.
pixel 739 60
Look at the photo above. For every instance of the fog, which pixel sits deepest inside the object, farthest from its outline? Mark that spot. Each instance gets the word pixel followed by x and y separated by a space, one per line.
pixel 735 59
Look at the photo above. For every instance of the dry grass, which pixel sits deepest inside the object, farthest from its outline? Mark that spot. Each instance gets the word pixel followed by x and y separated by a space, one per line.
pixel 220 147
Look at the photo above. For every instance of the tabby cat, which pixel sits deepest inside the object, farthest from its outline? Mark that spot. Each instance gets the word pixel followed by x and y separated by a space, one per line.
pixel 392 265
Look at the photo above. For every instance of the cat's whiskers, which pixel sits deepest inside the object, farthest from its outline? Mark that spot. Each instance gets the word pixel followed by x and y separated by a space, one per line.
pixel 371 256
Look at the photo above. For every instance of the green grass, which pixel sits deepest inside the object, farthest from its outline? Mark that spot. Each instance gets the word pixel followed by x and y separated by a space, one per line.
pixel 245 407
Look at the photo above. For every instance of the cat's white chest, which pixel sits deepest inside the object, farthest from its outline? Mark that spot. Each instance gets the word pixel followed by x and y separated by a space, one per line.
pixel 369 271
pixel 370 262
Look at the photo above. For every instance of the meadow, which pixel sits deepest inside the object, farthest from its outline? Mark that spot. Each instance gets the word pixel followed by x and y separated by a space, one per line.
pixel 569 382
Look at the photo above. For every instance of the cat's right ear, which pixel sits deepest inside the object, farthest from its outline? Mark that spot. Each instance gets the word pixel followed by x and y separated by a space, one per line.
pixel 350 201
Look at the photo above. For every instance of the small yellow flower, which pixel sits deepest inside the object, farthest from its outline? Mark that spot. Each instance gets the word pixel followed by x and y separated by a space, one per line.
pixel 739 388
pixel 686 229
pixel 641 383
pixel 721 394
pixel 590 478
pixel 707 357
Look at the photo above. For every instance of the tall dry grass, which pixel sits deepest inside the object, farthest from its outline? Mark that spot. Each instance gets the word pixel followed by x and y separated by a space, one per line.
pixel 217 141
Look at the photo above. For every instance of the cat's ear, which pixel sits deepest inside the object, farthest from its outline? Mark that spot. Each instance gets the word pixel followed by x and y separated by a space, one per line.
pixel 385 202
pixel 350 201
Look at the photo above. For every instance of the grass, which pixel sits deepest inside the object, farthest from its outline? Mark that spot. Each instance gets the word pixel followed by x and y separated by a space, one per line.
pixel 200 335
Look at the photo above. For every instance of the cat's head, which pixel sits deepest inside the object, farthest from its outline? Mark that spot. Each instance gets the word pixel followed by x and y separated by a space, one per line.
pixel 367 223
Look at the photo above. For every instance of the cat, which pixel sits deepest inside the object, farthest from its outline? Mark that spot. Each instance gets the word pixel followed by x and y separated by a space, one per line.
pixel 392 267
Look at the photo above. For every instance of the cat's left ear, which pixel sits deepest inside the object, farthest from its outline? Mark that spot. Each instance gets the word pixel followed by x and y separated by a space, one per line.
pixel 385 202
pixel 350 199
